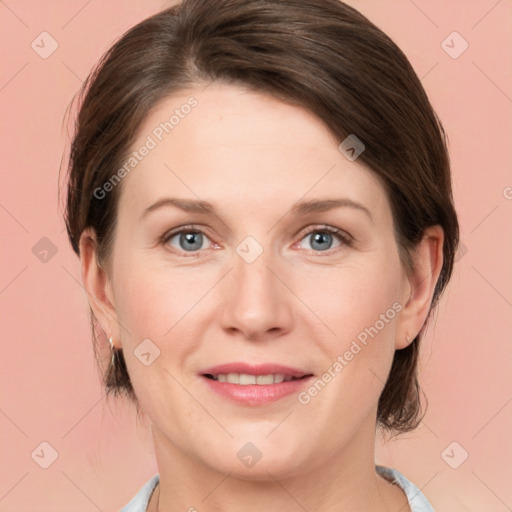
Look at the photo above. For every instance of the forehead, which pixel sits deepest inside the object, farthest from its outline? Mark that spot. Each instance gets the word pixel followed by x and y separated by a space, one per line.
pixel 223 141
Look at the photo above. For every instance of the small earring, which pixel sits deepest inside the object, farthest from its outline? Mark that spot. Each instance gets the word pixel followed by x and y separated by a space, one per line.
pixel 112 350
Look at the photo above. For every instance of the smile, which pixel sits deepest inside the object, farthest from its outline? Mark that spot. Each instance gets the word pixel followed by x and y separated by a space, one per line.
pixel 255 385
pixel 244 379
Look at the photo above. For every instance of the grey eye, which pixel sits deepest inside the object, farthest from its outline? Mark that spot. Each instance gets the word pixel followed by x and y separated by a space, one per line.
pixel 188 240
pixel 321 241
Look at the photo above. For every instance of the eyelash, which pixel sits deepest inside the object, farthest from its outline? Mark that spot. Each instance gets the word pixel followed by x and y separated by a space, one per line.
pixel 343 237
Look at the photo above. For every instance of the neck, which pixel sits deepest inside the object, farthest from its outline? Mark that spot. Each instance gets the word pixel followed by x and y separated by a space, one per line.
pixel 346 481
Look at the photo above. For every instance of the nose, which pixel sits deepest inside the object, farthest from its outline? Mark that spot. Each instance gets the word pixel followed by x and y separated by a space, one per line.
pixel 256 303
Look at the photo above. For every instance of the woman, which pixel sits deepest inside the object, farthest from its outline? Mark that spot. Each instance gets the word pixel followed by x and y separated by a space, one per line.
pixel 218 146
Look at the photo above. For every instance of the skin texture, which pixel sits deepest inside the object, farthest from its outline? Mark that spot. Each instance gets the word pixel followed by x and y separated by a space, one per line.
pixel 253 157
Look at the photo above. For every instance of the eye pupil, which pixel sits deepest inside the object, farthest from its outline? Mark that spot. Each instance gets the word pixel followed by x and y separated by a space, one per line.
pixel 321 237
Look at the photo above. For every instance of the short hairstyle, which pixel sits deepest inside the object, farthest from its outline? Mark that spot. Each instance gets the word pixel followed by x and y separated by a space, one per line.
pixel 321 55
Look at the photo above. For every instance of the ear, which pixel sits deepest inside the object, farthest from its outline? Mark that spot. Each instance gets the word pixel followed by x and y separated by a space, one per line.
pixel 417 297
pixel 97 285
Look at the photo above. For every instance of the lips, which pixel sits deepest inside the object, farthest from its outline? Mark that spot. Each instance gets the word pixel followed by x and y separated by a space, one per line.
pixel 255 385
pixel 256 370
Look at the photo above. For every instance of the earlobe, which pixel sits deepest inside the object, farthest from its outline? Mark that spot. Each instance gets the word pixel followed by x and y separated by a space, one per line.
pixel 417 297
pixel 97 284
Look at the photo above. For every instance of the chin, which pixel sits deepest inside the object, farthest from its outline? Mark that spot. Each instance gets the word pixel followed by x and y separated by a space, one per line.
pixel 257 461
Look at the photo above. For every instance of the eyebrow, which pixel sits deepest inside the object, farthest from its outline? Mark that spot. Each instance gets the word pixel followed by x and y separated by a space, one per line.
pixel 324 205
pixel 301 208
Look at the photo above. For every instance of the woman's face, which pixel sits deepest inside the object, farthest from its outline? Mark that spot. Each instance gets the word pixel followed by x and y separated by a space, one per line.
pixel 264 285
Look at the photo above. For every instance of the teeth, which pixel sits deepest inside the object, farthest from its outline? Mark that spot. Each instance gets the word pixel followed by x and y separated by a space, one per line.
pixel 278 377
pixel 244 379
pixel 247 379
pixel 265 379
pixel 233 378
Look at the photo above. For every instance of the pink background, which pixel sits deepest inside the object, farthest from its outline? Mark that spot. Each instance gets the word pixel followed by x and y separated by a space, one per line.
pixel 50 389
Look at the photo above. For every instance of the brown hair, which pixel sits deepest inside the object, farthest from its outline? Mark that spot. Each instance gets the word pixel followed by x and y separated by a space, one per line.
pixel 320 54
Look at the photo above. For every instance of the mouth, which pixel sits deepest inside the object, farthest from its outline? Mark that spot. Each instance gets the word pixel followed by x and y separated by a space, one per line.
pixel 245 379
pixel 255 385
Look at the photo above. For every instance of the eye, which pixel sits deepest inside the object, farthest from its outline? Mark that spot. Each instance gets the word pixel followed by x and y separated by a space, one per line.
pixel 322 239
pixel 186 239
pixel 189 239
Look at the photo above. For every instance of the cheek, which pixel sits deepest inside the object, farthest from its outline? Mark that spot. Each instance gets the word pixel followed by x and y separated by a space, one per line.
pixel 350 298
pixel 160 310
pixel 359 304
pixel 157 309
pixel 156 299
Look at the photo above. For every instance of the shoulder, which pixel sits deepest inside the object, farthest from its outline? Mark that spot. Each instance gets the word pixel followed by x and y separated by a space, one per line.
pixel 139 502
pixel 417 500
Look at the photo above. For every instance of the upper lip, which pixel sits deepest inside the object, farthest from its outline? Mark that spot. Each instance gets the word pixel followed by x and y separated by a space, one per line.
pixel 255 369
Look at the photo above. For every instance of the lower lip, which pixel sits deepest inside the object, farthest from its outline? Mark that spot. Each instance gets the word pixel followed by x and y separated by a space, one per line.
pixel 255 394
